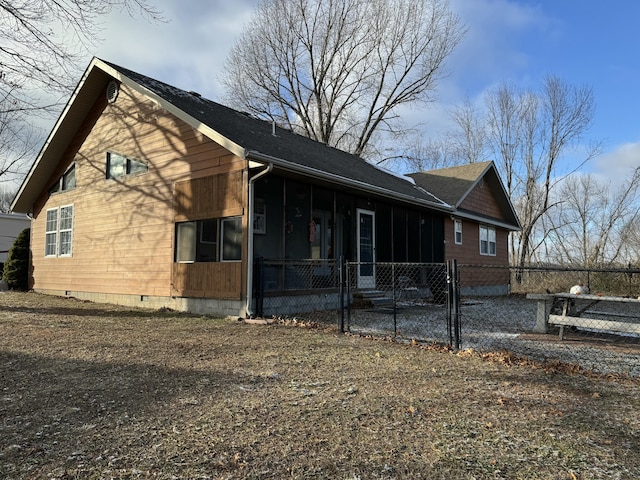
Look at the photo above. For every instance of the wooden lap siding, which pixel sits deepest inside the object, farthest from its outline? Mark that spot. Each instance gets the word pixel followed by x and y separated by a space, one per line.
pixel 482 201
pixel 214 196
pixel 123 234
pixel 221 280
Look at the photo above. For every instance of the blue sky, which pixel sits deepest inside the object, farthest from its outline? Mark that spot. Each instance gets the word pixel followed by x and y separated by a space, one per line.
pixel 588 42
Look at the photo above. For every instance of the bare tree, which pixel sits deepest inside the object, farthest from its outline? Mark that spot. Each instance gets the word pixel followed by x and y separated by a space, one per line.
pixel 469 143
pixel 6 197
pixel 337 70
pixel 17 138
pixel 41 45
pixel 419 154
pixel 7 193
pixel 527 133
pixel 593 226
pixel 633 243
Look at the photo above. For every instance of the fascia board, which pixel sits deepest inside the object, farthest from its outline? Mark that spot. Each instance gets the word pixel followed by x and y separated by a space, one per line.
pixel 486 220
pixel 314 173
pixel 17 204
pixel 168 106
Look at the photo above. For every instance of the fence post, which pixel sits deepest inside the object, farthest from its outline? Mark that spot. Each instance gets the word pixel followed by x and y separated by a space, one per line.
pixel 449 303
pixel 348 280
pixel 341 288
pixel 259 286
pixel 393 298
pixel 456 303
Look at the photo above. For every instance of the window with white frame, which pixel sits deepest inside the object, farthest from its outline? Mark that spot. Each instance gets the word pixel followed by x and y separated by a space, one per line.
pixel 457 231
pixel 210 240
pixel 59 232
pixel 51 233
pixel 487 240
pixel 65 230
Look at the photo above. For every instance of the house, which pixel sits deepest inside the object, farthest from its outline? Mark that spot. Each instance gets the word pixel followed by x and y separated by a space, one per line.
pixel 477 233
pixel 10 226
pixel 148 195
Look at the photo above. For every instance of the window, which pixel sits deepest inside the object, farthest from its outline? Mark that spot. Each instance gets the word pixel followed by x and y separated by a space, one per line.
pixel 59 232
pixel 259 216
pixel 207 246
pixel 65 230
pixel 51 233
pixel 487 240
pixel 231 239
pixel 119 166
pixel 66 182
pixel 186 242
pixel 457 230
pixel 211 240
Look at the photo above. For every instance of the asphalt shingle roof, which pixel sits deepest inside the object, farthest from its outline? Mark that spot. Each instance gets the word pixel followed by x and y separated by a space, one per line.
pixel 254 134
pixel 451 184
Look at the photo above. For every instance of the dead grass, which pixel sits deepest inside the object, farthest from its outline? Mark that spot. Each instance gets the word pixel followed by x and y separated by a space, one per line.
pixel 97 391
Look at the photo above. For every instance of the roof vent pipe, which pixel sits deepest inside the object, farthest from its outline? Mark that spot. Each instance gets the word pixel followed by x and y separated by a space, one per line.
pixel 273 128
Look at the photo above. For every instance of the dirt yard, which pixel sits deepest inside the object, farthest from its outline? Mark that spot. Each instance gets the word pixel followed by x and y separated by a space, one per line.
pixel 92 391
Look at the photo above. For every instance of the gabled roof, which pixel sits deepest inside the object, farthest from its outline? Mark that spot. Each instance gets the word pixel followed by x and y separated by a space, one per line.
pixel 247 137
pixel 454 184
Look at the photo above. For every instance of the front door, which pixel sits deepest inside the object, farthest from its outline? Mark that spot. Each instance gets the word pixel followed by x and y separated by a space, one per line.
pixel 366 248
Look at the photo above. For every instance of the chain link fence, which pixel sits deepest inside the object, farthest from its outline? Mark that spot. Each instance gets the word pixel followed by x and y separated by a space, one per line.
pixel 304 290
pixel 520 311
pixel 597 329
pixel 407 300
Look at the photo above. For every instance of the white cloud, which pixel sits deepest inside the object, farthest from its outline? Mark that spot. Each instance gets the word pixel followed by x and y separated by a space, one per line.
pixel 489 54
pixel 187 51
pixel 618 164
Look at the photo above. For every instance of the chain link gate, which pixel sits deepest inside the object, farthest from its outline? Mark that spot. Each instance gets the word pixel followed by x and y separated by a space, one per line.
pixel 429 302
pixel 405 300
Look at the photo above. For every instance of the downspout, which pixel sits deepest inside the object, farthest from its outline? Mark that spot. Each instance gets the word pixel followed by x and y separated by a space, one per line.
pixel 252 180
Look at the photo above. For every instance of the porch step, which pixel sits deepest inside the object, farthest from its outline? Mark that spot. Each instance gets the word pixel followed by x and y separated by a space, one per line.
pixel 371 299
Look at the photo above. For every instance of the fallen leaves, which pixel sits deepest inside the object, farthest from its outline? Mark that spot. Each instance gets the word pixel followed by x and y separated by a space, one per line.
pixel 117 393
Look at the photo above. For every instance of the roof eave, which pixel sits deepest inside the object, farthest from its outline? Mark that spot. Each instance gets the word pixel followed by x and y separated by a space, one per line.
pixel 488 221
pixel 29 190
pixel 59 139
pixel 181 114
pixel 509 205
pixel 348 182
pixel 473 185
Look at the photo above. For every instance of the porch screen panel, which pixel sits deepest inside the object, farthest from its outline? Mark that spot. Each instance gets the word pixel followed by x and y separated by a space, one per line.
pixel 384 234
pixel 297 219
pixel 269 243
pixel 399 235
pixel 413 241
pixel 428 254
